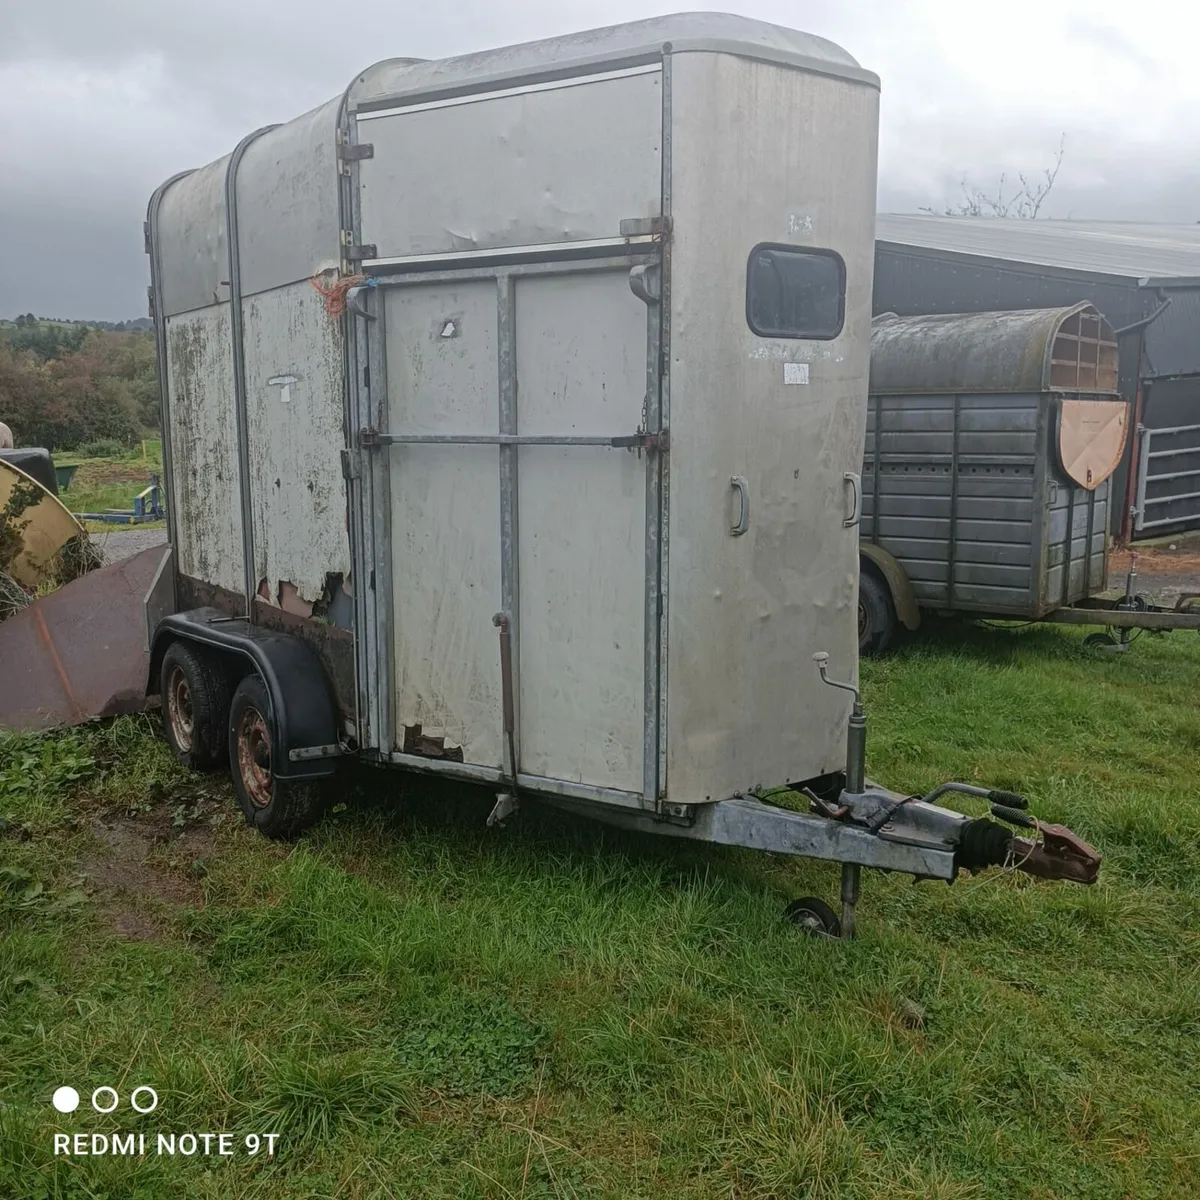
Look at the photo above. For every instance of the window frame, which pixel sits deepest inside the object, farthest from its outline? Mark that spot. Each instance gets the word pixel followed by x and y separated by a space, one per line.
pixel 812 252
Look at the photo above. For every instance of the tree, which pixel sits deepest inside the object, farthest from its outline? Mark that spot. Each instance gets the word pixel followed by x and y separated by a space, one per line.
pixel 1024 203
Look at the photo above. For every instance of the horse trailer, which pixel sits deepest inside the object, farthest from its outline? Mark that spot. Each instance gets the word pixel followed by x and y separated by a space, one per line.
pixel 991 443
pixel 513 413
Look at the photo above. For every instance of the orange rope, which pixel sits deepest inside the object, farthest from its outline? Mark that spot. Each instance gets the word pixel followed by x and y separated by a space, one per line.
pixel 335 293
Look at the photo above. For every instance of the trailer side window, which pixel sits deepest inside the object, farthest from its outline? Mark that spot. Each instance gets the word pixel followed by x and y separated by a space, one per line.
pixel 795 293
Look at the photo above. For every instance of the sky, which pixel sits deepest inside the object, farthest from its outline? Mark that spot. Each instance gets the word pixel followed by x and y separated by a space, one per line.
pixel 100 100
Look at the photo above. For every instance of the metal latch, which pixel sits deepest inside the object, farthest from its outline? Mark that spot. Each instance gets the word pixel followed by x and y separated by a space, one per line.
pixel 641 440
pixel 656 227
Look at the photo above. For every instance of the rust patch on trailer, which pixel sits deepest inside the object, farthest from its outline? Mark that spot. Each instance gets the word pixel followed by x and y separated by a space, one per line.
pixel 427 746
pixel 333 645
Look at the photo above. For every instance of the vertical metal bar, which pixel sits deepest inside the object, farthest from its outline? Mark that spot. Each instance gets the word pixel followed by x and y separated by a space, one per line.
pixel 241 415
pixel 878 458
pixel 952 548
pixel 365 388
pixel 1087 552
pixel 510 589
pixel 658 476
pixel 1070 551
pixel 1143 468
pixel 160 345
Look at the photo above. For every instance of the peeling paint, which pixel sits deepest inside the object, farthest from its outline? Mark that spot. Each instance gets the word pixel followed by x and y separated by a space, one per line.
pixel 204 483
pixel 294 392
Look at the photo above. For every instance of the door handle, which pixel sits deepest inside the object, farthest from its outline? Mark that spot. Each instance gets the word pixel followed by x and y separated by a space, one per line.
pixel 855 481
pixel 739 485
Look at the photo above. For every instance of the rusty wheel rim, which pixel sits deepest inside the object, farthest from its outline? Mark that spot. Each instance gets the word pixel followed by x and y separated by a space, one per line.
pixel 863 620
pixel 179 709
pixel 254 757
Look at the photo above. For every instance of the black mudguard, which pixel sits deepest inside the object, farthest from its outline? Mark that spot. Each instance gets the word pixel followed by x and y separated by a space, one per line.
pixel 303 714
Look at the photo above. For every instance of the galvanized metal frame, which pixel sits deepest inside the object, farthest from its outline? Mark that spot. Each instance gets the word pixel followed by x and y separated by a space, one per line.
pixel 658 376
pixel 160 345
pixel 508 439
pixel 370 517
pixel 1144 477
pixel 237 333
pixel 491 92
pixel 372 695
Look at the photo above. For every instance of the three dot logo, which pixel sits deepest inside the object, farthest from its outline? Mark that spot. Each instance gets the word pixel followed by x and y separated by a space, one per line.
pixel 105 1099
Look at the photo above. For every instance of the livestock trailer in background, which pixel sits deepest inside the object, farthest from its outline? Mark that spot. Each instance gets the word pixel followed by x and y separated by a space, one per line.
pixel 514 405
pixel 991 442
pixel 1145 279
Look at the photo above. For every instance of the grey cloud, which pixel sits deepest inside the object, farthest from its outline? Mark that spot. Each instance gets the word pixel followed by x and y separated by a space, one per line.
pixel 103 101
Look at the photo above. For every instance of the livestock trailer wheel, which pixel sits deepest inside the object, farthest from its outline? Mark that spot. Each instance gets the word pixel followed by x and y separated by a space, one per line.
pixel 876 614
pixel 279 808
pixel 814 916
pixel 1102 641
pixel 195 704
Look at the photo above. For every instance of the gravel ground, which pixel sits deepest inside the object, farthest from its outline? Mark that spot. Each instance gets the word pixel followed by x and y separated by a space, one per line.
pixel 118 543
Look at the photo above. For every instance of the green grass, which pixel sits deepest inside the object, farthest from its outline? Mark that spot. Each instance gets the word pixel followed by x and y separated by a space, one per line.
pixel 104 483
pixel 421 1007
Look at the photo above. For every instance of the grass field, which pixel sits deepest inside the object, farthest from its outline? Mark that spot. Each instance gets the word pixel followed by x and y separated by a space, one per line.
pixel 420 1007
pixel 104 483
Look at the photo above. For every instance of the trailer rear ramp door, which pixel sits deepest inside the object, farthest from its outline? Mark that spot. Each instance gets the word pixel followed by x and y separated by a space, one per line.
pixel 521 382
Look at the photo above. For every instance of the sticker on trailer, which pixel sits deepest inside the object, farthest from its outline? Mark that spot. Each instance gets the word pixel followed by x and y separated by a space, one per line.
pixel 795 372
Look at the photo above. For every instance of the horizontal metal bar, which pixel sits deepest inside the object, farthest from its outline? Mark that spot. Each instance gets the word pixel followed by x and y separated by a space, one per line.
pixel 1119 619
pixel 472 269
pixel 1169 499
pixel 544 248
pixel 1155 432
pixel 744 821
pixel 520 90
pixel 534 784
pixel 1172 475
pixel 630 441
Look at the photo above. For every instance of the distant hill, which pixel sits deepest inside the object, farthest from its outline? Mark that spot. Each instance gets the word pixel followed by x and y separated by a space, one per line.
pixel 134 324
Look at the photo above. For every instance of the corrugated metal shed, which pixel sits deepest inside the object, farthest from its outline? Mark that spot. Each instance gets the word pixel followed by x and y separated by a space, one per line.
pixel 1133 251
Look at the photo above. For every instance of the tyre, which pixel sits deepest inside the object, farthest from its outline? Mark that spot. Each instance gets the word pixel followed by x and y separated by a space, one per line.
pixel 278 808
pixel 876 614
pixel 194 688
pixel 814 917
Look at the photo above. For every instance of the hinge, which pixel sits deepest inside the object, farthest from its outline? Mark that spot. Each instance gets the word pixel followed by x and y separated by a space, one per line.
pixel 662 364
pixel 146 236
pixel 351 463
pixel 356 252
pixel 655 227
pixel 360 151
pixel 150 303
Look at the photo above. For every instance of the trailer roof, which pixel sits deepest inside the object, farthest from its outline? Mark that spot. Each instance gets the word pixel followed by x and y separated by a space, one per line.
pixel 608 48
pixel 1138 252
pixel 1029 350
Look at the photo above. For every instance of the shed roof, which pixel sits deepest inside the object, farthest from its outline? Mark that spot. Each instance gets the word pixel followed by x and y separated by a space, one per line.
pixel 1027 350
pixel 406 78
pixel 1125 249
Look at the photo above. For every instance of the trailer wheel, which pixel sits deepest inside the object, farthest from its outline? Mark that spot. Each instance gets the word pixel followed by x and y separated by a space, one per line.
pixel 814 917
pixel 876 613
pixel 195 704
pixel 279 808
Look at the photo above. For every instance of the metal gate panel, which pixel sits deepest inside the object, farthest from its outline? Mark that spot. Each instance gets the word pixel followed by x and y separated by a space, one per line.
pixel 1168 479
pixel 442 374
pixel 581 370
